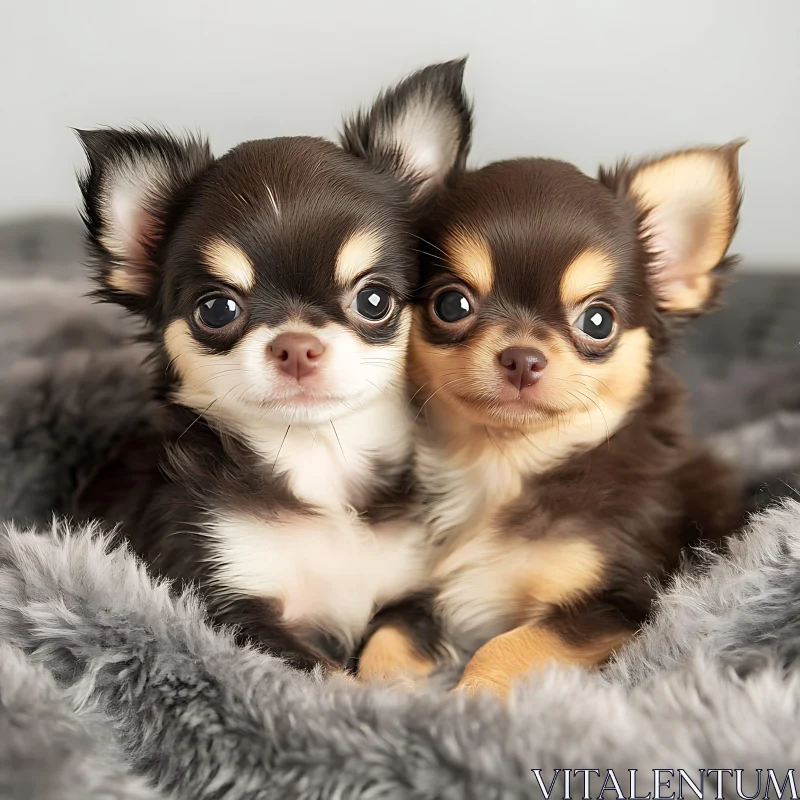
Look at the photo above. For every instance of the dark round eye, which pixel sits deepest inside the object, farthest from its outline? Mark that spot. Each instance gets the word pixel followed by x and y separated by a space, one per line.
pixel 597 322
pixel 217 312
pixel 451 306
pixel 373 303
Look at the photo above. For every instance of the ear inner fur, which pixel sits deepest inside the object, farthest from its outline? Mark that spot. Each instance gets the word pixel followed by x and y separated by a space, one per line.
pixel 134 178
pixel 691 201
pixel 420 131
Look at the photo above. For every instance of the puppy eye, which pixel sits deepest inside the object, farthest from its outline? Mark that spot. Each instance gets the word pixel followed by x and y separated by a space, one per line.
pixel 452 306
pixel 373 303
pixel 217 312
pixel 597 322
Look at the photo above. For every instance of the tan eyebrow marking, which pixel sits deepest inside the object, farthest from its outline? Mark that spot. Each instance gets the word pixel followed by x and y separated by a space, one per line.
pixel 592 271
pixel 230 264
pixel 358 254
pixel 471 259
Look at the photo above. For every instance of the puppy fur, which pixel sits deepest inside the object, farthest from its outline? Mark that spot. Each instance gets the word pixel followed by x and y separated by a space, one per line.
pixel 275 283
pixel 561 480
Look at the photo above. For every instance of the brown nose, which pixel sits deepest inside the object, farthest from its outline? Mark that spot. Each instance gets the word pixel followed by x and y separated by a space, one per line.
pixel 296 354
pixel 522 365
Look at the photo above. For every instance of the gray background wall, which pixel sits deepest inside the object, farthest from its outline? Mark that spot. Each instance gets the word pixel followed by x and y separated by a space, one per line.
pixel 583 80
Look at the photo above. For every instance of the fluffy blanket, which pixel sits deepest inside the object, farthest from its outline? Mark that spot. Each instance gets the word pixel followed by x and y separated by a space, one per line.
pixel 111 688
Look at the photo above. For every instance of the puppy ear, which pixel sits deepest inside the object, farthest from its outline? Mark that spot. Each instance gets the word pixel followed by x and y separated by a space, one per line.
pixel 689 205
pixel 419 131
pixel 132 182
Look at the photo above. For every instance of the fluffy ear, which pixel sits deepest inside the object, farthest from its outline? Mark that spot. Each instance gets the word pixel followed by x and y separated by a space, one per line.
pixel 420 131
pixel 133 179
pixel 689 204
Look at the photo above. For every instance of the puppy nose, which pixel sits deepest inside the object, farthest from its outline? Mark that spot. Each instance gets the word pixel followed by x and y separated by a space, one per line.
pixel 296 354
pixel 522 365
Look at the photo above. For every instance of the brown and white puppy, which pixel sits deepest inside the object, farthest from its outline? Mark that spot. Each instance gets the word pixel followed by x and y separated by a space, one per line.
pixel 553 447
pixel 274 282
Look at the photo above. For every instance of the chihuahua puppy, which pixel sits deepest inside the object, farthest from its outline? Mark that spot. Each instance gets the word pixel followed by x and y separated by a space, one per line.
pixel 560 476
pixel 274 284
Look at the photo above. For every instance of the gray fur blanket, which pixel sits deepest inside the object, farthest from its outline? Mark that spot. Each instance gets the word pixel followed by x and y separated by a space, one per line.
pixel 111 688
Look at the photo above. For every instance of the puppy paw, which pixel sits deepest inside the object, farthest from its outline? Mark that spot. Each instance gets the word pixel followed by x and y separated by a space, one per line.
pixel 475 681
pixel 389 658
pixel 497 664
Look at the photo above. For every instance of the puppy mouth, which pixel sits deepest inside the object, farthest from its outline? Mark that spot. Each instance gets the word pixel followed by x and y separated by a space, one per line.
pixel 302 396
pixel 508 403
pixel 299 397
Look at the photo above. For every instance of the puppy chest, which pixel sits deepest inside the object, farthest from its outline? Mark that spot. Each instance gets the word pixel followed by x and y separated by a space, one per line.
pixel 335 467
pixel 465 493
pixel 328 572
pixel 490 582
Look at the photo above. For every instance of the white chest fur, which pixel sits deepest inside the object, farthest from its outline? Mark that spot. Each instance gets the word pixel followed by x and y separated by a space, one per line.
pixel 330 571
pixel 331 568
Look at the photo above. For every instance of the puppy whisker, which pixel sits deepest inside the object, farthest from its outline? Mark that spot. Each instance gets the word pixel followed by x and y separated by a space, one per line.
pixel 379 388
pixel 588 389
pixel 532 443
pixel 228 393
pixel 218 375
pixel 605 421
pixel 278 454
pixel 202 413
pixel 592 377
pixel 588 412
pixel 496 444
pixel 428 254
pixel 339 441
pixel 443 386
pixel 596 395
pixel 430 244
pixel 411 399
pixel 170 363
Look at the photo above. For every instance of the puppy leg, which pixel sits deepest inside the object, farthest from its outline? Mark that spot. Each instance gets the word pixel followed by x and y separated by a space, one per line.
pixel 565 637
pixel 392 656
pixel 405 645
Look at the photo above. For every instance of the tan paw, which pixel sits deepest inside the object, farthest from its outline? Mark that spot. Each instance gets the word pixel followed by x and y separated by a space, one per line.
pixel 389 657
pixel 473 682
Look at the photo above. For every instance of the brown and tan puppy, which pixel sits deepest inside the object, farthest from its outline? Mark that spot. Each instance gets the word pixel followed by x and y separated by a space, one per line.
pixel 553 446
